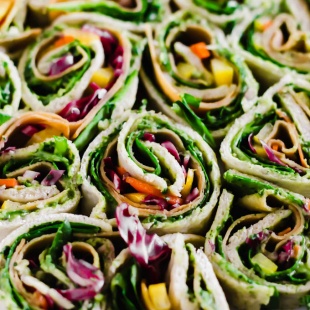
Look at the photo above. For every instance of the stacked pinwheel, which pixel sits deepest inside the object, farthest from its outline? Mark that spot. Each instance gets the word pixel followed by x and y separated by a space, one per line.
pixel 154 154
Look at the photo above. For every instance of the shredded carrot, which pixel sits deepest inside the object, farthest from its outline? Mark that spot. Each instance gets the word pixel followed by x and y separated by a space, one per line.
pixel 8 182
pixel 63 41
pixel 143 187
pixel 201 50
pixel 285 231
pixel 120 170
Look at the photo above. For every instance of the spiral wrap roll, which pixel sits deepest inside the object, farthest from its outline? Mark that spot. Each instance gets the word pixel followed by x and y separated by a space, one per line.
pixel 219 83
pixel 165 171
pixel 38 179
pixel 258 244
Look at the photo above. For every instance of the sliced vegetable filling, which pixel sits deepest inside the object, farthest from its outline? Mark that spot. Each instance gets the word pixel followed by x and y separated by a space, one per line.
pixel 61 265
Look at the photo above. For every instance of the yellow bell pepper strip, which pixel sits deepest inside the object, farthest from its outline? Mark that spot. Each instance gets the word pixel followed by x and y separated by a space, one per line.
pixel 188 184
pixel 155 296
pixel 159 297
pixel 185 70
pixel 135 197
pixel 267 266
pixel 43 135
pixel 103 76
pixel 222 71
pixel 5 6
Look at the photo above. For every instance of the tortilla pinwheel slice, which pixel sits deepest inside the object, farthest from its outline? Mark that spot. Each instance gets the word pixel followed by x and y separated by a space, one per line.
pixel 77 67
pixel 38 179
pixel 132 14
pixel 259 244
pixel 32 127
pixel 10 88
pixel 272 142
pixel 191 60
pixel 221 12
pixel 14 35
pixel 165 171
pixel 58 261
pixel 275 42
pixel 162 273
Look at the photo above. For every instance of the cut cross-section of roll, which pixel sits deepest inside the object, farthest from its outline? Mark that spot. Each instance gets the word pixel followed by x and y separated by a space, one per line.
pixel 222 12
pixel 272 140
pixel 276 41
pixel 78 67
pixel 32 127
pixel 131 14
pixel 189 56
pixel 38 179
pixel 13 33
pixel 167 273
pixel 165 171
pixel 58 261
pixel 10 89
pixel 259 244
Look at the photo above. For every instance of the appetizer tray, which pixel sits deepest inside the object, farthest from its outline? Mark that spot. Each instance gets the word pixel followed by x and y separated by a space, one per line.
pixel 154 154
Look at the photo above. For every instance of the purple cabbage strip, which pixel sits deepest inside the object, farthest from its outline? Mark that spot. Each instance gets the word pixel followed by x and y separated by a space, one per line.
pixel 149 250
pixel 81 272
pixel 256 239
pixel 78 109
pixel 158 201
pixel 61 64
pixel 171 149
pixel 30 130
pixel 250 138
pixel 272 157
pixel 52 177
pixel 193 195
pixel 147 136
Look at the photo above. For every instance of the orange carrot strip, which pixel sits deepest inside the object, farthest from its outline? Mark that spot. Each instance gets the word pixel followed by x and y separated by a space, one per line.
pixel 64 40
pixel 120 170
pixel 143 187
pixel 200 49
pixel 285 231
pixel 8 182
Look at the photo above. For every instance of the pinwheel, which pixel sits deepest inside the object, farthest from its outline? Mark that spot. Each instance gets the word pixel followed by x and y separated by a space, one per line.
pixel 13 32
pixel 38 179
pixel 130 14
pixel 165 171
pixel 58 261
pixel 10 88
pixel 32 127
pixel 272 140
pixel 190 56
pixel 77 69
pixel 259 246
pixel 167 273
pixel 276 41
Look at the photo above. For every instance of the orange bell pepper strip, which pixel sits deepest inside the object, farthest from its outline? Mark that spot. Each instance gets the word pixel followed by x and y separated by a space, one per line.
pixel 63 41
pixel 143 187
pixel 120 170
pixel 8 182
pixel 200 49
